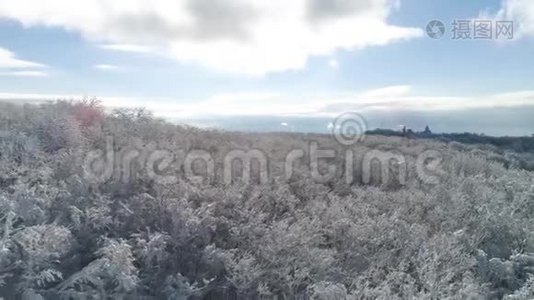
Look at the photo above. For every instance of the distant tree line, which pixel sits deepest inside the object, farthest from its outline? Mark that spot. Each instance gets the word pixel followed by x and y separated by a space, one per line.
pixel 517 144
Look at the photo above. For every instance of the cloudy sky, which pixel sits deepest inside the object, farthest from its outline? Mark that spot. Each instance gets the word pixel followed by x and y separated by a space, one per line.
pixel 191 59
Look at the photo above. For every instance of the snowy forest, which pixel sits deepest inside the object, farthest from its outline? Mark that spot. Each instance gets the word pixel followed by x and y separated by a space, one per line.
pixel 161 233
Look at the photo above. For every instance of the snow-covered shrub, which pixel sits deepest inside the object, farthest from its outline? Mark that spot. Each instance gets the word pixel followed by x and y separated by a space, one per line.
pixel 63 236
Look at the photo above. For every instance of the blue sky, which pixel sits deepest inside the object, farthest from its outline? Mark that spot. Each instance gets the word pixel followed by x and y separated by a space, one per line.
pixel 195 59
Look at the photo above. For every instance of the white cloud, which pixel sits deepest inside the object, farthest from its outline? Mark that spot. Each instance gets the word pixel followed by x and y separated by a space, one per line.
pixel 521 12
pixel 12 66
pixel 273 104
pixel 244 36
pixel 9 61
pixel 127 48
pixel 333 63
pixel 29 97
pixel 24 74
pixel 106 67
pixel 389 91
pixel 403 100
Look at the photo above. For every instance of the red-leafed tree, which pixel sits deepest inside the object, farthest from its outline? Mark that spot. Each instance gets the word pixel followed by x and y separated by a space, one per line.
pixel 88 112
